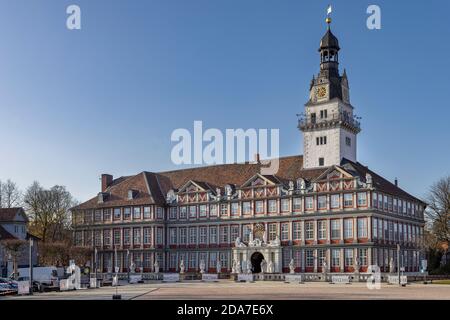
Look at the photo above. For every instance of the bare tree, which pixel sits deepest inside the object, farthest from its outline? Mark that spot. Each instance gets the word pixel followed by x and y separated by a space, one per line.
pixel 438 210
pixel 10 195
pixel 48 211
pixel 14 248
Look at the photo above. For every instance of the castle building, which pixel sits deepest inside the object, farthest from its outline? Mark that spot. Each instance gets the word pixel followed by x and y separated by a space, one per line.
pixel 322 210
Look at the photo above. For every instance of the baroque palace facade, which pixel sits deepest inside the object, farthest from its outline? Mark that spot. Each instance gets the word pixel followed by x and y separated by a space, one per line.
pixel 322 209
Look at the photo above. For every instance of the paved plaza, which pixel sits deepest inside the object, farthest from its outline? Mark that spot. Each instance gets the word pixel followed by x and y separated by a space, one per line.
pixel 226 289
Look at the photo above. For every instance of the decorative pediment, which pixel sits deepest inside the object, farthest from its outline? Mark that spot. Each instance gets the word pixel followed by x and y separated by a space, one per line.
pixel 334 173
pixel 190 187
pixel 259 180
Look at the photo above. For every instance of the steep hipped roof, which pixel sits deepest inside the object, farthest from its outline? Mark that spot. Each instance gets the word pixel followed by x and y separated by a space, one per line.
pixel 153 187
pixel 9 214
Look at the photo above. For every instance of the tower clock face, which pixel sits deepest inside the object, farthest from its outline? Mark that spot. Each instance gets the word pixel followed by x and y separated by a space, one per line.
pixel 321 92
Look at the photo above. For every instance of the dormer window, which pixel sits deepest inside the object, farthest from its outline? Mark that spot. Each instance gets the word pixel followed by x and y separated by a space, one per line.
pixel 132 194
pixel 103 197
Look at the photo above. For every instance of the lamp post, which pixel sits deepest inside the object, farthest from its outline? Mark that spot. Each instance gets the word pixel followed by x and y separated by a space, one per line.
pixel 95 265
pixel 398 263
pixel 128 267
pixel 31 265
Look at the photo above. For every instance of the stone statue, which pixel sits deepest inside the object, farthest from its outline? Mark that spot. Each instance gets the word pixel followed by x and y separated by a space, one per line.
pixel 218 191
pixel 356 265
pixel 292 266
pixel 233 266
pixel 238 243
pixel 263 265
pixel 218 266
pixel 265 237
pixel 132 267
pixel 238 266
pixel 324 267
pixel 156 266
pixel 276 242
pixel 182 266
pixel 291 185
pixel 270 267
pixel 391 266
pixel 202 266
pixel 228 190
pixel 249 266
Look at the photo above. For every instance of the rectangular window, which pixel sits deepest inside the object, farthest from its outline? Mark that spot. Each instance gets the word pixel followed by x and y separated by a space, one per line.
pixel 309 203
pixel 363 256
pixel 309 230
pixel 126 236
pixel 348 254
pixel 335 229
pixel 297 204
pixel 296 230
pixel 107 237
pixel 126 213
pixel 362 227
pixel 183 236
pixel 322 229
pixel 284 231
pixel 375 200
pixel 321 257
pixel 137 236
pixel 78 238
pixel 98 238
pixel 375 228
pixel 395 205
pixel 212 259
pixel 224 209
pixel 147 213
pixel 173 213
pixel 173 236
pixel 117 213
pixel 213 235
pixel 335 258
pixel 309 255
pixel 380 201
pixel 106 214
pixel 348 228
pixel 322 202
pixel 203 235
pixel 98 215
pixel 362 199
pixel 284 205
pixel 348 200
pixel 224 259
pixel 259 207
pixel 321 162
pixel 272 231
pixel 193 235
pixel 183 212
pixel 335 201
pixel 390 203
pixel 234 232
pixel 213 210
pixel 234 208
pixel 202 210
pixel 348 141
pixel 192 212
pixel 272 206
pixel 147 236
pixel 193 260
pixel 224 234
pixel 159 213
pixel 136 213
pixel 247 229
pixel 246 207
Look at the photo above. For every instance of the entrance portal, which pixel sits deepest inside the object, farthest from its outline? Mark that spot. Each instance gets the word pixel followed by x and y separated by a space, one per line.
pixel 256 259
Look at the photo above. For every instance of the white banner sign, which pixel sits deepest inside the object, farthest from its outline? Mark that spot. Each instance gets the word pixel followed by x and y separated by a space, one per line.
pixel 340 279
pixel 23 287
pixel 93 283
pixel 394 279
pixel 293 278
pixel 135 278
pixel 245 277
pixel 171 277
pixel 210 277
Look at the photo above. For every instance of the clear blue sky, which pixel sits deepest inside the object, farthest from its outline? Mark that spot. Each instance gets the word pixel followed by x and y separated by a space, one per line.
pixel 105 99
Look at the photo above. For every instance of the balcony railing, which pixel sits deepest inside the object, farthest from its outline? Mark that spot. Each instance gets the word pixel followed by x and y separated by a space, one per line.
pixel 342 118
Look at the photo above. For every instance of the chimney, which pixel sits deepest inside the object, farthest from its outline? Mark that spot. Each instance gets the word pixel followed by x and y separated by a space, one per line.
pixel 257 159
pixel 106 181
pixel 396 182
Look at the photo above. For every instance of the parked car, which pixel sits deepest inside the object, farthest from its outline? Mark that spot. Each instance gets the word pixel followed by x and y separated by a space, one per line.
pixel 37 287
pixel 46 277
pixel 7 286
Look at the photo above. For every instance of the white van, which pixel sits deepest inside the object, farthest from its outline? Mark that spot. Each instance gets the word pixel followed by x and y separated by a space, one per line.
pixel 46 276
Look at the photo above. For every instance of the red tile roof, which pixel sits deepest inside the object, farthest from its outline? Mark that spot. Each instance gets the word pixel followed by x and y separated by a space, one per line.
pixel 152 187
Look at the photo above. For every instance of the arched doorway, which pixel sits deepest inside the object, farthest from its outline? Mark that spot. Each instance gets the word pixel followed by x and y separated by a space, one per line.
pixel 256 259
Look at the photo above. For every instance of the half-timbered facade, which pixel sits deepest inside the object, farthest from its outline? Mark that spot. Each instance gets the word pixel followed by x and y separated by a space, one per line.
pixel 321 207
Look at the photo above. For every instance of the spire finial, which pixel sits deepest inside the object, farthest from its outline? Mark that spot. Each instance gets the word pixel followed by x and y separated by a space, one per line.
pixel 328 19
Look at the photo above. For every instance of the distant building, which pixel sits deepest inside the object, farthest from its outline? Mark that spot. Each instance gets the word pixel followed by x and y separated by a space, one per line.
pixel 13 225
pixel 320 209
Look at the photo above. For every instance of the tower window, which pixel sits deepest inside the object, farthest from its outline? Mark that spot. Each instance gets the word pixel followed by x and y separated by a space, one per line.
pixel 321 140
pixel 323 114
pixel 348 141
pixel 321 162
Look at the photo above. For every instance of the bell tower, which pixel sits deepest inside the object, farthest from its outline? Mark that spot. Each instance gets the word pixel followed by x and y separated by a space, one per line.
pixel 328 124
